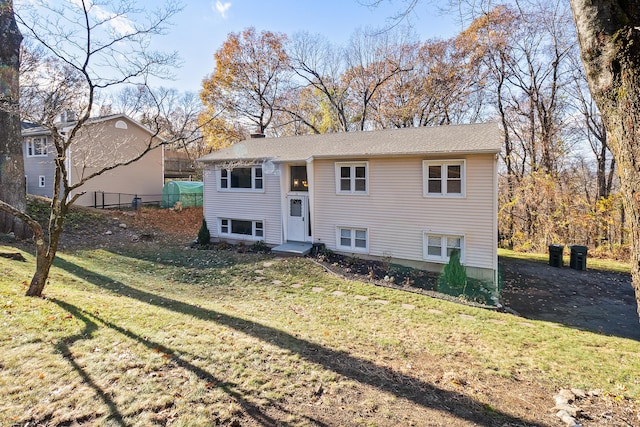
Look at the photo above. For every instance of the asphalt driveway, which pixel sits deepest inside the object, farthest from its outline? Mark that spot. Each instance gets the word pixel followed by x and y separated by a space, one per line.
pixel 593 300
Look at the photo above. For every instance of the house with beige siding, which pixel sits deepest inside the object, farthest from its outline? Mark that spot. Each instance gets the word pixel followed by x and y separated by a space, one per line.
pixel 101 142
pixel 407 195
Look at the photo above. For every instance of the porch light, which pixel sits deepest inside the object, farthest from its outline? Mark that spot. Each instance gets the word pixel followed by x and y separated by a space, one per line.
pixel 305 184
pixel 296 182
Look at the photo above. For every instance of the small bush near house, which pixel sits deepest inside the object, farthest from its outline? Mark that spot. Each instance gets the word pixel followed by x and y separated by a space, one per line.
pixel 259 247
pixel 325 254
pixel 453 279
pixel 204 237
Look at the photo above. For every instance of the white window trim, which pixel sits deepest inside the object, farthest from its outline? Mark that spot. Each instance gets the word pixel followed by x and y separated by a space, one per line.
pixel 352 247
pixel 443 258
pixel 253 235
pixel 31 147
pixel 352 165
pixel 42 181
pixel 442 164
pixel 228 189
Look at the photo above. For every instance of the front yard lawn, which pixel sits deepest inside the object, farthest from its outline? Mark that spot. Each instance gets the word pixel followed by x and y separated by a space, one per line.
pixel 154 334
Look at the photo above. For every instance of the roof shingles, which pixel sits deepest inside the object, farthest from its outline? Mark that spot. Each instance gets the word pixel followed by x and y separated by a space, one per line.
pixel 454 139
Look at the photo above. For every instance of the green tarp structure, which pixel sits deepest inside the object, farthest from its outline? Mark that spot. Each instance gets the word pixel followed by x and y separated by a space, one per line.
pixel 189 193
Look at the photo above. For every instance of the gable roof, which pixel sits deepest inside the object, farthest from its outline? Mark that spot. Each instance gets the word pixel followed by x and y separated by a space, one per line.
pixel 453 139
pixel 33 129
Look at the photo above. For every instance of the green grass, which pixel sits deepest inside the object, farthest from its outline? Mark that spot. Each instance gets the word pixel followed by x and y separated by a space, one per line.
pixel 159 335
pixel 592 263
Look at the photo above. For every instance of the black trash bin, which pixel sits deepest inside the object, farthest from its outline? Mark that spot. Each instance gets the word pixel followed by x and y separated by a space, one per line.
pixel 555 255
pixel 578 260
pixel 136 203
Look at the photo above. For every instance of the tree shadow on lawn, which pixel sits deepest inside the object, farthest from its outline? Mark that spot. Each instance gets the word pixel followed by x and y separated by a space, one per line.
pixel 64 348
pixel 359 370
pixel 202 374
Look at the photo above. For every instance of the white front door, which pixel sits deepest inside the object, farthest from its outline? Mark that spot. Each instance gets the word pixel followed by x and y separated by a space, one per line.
pixel 297 218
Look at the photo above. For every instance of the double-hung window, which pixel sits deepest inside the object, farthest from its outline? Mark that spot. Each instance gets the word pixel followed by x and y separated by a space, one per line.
pixel 241 228
pixel 242 179
pixel 352 177
pixel 438 247
pixel 444 178
pixel 37 146
pixel 352 239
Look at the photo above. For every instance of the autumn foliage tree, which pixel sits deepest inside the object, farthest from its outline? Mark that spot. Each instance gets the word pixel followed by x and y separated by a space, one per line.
pixel 251 75
pixel 372 60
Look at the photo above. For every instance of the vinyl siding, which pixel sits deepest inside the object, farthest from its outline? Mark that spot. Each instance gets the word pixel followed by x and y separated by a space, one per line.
pixel 249 206
pixel 36 166
pixel 98 145
pixel 396 213
pixel 103 144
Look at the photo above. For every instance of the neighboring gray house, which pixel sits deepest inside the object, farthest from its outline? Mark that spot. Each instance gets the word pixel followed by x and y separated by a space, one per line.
pixel 102 141
pixel 38 160
pixel 409 195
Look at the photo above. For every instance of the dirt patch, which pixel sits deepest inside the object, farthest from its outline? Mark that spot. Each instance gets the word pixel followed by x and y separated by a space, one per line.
pixel 103 228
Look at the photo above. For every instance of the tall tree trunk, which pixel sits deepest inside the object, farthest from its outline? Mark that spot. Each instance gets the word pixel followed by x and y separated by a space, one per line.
pixel 508 154
pixel 12 182
pixel 46 250
pixel 609 36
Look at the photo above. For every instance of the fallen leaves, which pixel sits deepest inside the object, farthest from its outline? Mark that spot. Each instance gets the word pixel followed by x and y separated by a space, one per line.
pixel 53 317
